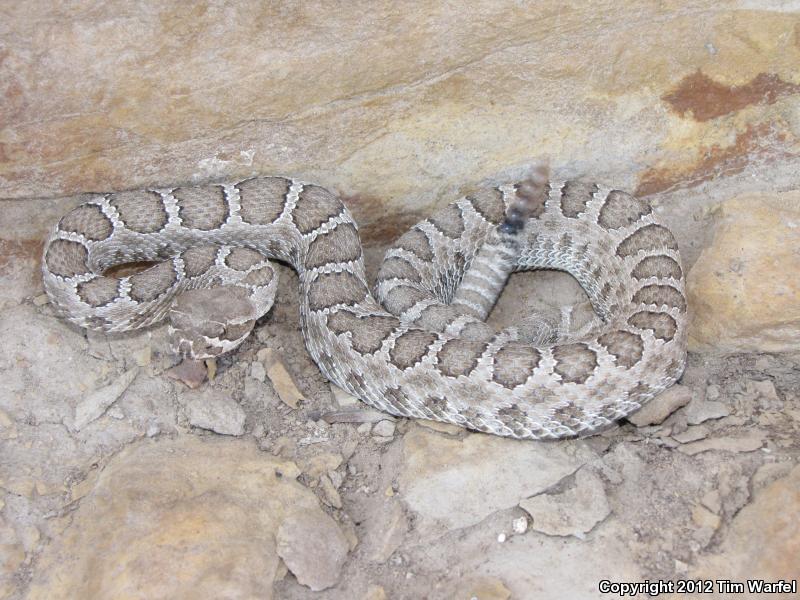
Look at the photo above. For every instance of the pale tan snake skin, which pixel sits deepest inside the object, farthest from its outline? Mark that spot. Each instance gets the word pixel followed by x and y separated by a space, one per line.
pixel 424 352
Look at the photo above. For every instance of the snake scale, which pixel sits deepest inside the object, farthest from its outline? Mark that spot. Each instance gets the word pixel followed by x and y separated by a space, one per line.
pixel 418 347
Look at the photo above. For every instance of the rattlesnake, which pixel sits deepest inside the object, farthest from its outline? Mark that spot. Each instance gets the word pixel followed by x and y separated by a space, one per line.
pixel 423 351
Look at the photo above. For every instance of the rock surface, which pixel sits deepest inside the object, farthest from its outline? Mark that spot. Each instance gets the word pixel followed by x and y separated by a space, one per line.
pixel 313 547
pixel 214 410
pixel 744 288
pixel 574 511
pixel 187 517
pixel 126 97
pixel 454 483
pixel 770 525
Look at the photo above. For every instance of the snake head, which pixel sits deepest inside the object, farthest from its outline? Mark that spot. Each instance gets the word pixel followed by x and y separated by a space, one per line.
pixel 206 323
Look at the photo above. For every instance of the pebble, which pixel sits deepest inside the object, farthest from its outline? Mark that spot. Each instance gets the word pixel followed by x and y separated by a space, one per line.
pixel 386 532
pixel 330 496
pixel 692 434
pixel 573 512
pixel 705 518
pixel 384 429
pixel 191 373
pixel 364 428
pixel 749 442
pixel 520 525
pixel 375 592
pixel 501 538
pixel 699 411
pixel 281 380
pixel 257 371
pixel 216 412
pixel 711 500
pixel 337 478
pixel 319 464
pixel 314 549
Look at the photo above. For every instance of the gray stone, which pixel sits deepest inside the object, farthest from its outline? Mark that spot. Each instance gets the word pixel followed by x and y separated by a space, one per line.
pixel 313 548
pixel 700 410
pixel 452 483
pixel 383 428
pixel 573 512
pixel 217 412
pixel 96 403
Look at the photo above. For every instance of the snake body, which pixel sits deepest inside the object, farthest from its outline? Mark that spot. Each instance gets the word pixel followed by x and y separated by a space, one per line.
pixel 418 347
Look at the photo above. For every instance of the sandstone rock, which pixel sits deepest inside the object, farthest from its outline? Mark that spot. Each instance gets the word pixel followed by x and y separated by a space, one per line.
pixel 375 592
pixel 330 495
pixel 95 404
pixel 186 517
pixel 761 541
pixel 386 531
pixel 748 442
pixel 573 512
pixel 244 90
pixel 712 501
pixel 703 517
pixel 217 412
pixel 480 588
pixel 258 372
pixel 700 410
pixel 283 383
pixel 383 428
pixel 320 463
pixel 692 434
pixel 313 547
pixel 745 287
pixel 454 483
pixel 662 406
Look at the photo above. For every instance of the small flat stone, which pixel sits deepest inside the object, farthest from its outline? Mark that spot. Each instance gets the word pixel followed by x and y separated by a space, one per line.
pixel 375 592
pixel 573 512
pixel 96 403
pixel 216 412
pixel 705 518
pixel 386 531
pixel 257 371
pixel 700 410
pixel 745 443
pixel 321 463
pixel 662 406
pixel 383 428
pixel 692 434
pixel 712 501
pixel 192 373
pixel 313 548
pixel 281 380
pixel 330 495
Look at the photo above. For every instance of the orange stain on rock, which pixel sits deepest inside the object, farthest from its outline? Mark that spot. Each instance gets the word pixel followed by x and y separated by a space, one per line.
pixel 756 141
pixel 707 99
